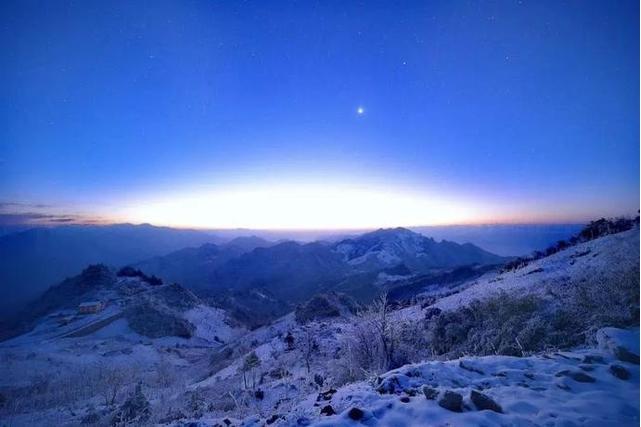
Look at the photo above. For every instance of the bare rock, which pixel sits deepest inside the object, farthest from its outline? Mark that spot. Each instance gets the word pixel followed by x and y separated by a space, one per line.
pixel 483 402
pixel 271 420
pixel 620 372
pixel 470 368
pixel 393 384
pixel 577 376
pixel 623 344
pixel 355 414
pixel 451 401
pixel 430 393
pixel 593 359
pixel 327 410
pixel 326 395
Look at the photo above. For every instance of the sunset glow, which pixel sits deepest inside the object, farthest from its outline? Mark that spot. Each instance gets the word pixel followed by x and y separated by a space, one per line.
pixel 300 208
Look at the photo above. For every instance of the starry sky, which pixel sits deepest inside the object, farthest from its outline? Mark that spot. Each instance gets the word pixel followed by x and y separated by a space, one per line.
pixel 318 114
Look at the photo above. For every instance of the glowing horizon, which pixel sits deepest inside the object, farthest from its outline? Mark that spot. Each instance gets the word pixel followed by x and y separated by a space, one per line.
pixel 311 206
pixel 298 208
pixel 332 206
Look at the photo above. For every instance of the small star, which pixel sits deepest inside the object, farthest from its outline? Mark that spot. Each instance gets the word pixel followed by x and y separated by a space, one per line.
pixel 360 111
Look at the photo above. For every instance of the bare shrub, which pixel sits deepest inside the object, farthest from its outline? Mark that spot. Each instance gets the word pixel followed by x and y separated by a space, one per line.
pixel 601 301
pixel 373 340
pixel 308 347
pixel 111 381
pixel 519 325
pixel 165 375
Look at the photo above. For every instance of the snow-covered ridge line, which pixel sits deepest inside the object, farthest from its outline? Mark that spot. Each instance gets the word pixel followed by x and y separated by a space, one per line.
pixel 608 255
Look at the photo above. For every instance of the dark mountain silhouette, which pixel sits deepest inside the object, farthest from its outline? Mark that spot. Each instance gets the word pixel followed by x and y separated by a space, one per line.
pixel 33 260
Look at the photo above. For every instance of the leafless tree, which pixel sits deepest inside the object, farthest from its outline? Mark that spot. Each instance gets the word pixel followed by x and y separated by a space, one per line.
pixel 308 347
pixel 111 381
pixel 249 366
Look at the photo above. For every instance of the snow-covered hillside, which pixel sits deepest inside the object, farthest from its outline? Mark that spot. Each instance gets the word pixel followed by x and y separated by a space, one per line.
pixel 588 386
pixel 599 259
pixel 74 358
pixel 157 355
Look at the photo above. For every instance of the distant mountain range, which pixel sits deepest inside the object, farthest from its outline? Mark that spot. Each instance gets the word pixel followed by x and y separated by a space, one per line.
pixel 33 260
pixel 215 262
pixel 258 281
pixel 193 267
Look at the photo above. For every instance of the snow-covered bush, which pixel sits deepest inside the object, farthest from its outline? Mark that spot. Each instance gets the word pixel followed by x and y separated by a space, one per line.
pixel 599 302
pixel 377 341
pixel 518 325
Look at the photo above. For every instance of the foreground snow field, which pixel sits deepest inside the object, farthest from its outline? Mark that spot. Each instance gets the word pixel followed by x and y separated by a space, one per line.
pixel 585 387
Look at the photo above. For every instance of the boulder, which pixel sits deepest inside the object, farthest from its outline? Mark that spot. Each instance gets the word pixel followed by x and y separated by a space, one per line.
pixel 430 393
pixel 578 376
pixel 483 402
pixel 327 410
pixel 393 384
pixel 451 401
pixel 620 372
pixel 271 420
pixel 326 395
pixel 623 344
pixel 355 414
pixel 593 358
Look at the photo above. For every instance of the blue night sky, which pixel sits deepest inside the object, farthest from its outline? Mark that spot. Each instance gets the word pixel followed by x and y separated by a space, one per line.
pixel 226 113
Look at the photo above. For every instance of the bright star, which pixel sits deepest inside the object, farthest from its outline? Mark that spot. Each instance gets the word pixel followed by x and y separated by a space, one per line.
pixel 360 111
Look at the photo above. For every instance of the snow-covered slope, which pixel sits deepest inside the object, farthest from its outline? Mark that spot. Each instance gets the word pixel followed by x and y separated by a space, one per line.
pixel 603 258
pixel 589 387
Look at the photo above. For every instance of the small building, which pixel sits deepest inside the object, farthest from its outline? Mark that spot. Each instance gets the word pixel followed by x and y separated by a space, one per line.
pixel 90 307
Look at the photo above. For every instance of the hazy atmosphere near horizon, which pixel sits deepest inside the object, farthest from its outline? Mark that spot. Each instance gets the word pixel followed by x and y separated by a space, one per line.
pixel 324 213
pixel 322 115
